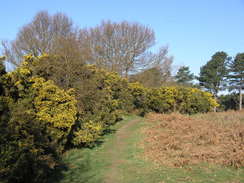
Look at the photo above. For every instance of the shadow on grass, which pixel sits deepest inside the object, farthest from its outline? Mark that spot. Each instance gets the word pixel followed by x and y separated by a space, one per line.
pixel 57 174
pixel 72 172
pixel 80 164
pixel 78 167
pixel 109 131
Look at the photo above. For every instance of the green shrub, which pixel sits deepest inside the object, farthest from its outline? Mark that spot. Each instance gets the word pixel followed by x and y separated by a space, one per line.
pixel 119 88
pixel 193 100
pixel 52 105
pixel 139 97
pixel 38 117
pixel 27 154
pixel 163 99
pixel 229 102
pixel 102 97
pixel 171 99
pixel 88 133
pixel 43 113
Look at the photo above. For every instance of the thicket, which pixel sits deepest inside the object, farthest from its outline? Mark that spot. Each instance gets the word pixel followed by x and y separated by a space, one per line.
pixel 44 112
pixel 101 96
pixel 229 101
pixel 36 119
pixel 171 99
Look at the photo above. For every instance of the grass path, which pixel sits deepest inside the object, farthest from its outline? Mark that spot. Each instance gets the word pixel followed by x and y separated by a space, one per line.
pixel 119 160
pixel 120 145
pixel 107 162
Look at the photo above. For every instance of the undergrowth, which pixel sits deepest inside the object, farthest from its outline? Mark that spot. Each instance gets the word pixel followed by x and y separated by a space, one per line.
pixel 177 140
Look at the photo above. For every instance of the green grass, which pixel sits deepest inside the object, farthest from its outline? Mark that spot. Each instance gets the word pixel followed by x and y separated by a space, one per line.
pixel 89 165
pixel 93 165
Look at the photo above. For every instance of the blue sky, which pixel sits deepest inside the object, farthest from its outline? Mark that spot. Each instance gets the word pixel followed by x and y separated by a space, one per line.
pixel 193 29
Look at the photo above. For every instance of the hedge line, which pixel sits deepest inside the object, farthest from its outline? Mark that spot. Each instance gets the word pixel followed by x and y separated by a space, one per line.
pixel 40 120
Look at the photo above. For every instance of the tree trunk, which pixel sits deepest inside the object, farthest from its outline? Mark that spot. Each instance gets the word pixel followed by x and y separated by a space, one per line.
pixel 174 106
pixel 126 73
pixel 215 98
pixel 240 98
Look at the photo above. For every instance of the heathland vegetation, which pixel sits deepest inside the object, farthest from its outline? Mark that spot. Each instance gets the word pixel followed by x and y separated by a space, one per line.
pixel 67 87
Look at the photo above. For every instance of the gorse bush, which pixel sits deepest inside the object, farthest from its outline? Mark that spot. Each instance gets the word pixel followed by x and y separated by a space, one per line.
pixel 27 154
pixel 191 100
pixel 44 111
pixel 48 101
pixel 120 91
pixel 37 118
pixel 171 99
pixel 88 133
pixel 140 97
pixel 163 99
pixel 101 96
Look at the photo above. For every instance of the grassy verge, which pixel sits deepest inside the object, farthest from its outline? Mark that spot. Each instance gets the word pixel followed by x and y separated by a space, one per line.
pixel 130 166
pixel 89 165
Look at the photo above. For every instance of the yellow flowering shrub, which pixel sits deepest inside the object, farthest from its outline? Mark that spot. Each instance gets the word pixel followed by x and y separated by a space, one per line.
pixel 172 99
pixel 193 100
pixel 102 97
pixel 119 88
pixel 163 99
pixel 52 105
pixel 30 143
pixel 140 97
pixel 88 133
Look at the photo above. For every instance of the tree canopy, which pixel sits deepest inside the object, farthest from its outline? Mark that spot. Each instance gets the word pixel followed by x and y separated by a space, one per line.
pixel 214 72
pixel 157 71
pixel 117 46
pixel 236 75
pixel 50 34
pixel 184 76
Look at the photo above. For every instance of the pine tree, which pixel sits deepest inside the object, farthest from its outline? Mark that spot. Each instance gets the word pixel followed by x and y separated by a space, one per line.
pixel 236 75
pixel 184 76
pixel 212 75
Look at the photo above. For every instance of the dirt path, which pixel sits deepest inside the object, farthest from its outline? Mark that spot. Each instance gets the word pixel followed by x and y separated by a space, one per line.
pixel 119 146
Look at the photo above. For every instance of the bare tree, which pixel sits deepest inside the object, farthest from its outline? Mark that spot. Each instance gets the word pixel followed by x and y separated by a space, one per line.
pixel 162 62
pixel 158 69
pixel 41 35
pixel 2 58
pixel 117 46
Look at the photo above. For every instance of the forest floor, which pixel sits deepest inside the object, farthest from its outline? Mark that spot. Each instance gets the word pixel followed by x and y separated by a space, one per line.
pixel 122 158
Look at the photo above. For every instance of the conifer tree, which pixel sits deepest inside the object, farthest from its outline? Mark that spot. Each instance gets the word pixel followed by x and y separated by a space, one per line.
pixel 236 75
pixel 212 75
pixel 184 76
